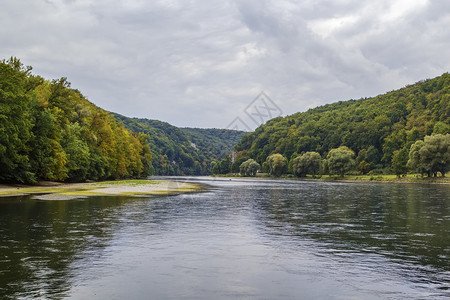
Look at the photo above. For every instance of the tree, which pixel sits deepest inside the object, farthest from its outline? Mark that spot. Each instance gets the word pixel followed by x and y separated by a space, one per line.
pixel 47 156
pixel 221 167
pixel 340 160
pixel 249 168
pixel 367 159
pixel 399 161
pixel 291 162
pixel 77 153
pixel 441 128
pixel 308 163
pixel 236 165
pixel 435 153
pixel 432 155
pixel 415 163
pixel 15 123
pixel 146 155
pixel 277 164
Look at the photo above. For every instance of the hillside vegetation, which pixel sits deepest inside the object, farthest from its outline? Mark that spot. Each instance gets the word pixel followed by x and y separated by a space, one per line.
pixel 377 129
pixel 183 151
pixel 49 131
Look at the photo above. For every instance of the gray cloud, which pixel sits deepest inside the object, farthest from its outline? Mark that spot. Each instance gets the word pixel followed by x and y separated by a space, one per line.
pixel 200 63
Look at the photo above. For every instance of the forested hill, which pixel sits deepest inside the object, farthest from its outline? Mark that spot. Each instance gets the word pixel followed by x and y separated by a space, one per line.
pixel 49 131
pixel 183 151
pixel 372 127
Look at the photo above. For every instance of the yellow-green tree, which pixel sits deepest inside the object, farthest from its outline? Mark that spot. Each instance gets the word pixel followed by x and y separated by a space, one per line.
pixel 340 161
pixel 276 164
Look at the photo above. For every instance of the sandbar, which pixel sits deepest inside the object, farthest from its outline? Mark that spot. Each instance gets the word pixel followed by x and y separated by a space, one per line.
pixel 69 191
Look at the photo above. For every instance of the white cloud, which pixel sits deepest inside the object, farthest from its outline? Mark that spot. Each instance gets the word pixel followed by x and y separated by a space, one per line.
pixel 199 63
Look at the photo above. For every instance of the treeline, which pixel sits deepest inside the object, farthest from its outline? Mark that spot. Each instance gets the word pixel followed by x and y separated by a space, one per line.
pixel 183 151
pixel 430 156
pixel 379 131
pixel 49 131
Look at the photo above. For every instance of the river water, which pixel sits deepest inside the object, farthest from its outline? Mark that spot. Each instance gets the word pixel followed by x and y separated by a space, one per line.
pixel 241 239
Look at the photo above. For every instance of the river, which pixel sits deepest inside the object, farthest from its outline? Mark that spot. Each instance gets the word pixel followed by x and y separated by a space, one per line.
pixel 240 239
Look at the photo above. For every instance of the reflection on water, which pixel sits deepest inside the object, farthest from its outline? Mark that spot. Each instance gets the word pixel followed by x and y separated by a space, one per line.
pixel 254 239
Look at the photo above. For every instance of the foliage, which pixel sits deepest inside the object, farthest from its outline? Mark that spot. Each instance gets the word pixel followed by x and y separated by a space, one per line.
pixel 183 151
pixel 49 131
pixel 236 165
pixel 249 168
pixel 372 127
pixel 399 161
pixel 308 163
pixel 221 167
pixel 368 159
pixel 415 163
pixel 340 161
pixel 276 164
pixel 15 123
pixel 432 155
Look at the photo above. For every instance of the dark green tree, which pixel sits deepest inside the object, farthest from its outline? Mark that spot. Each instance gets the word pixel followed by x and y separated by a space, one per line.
pixel 222 167
pixel 15 123
pixel 399 161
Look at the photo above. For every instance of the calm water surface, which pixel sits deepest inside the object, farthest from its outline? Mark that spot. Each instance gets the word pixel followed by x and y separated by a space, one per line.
pixel 242 239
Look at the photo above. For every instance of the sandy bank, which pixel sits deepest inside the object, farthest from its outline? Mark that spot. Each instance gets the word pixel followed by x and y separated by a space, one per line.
pixel 47 191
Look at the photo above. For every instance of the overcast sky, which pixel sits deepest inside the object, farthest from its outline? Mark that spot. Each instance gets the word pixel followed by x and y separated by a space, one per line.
pixel 202 63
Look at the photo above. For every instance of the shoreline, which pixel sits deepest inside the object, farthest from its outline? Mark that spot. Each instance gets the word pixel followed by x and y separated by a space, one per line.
pixel 70 191
pixel 356 179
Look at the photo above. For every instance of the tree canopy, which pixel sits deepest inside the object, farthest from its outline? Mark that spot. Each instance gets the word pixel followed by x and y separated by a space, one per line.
pixel 49 131
pixel 249 167
pixel 432 155
pixel 375 128
pixel 276 164
pixel 308 163
pixel 340 161
pixel 184 151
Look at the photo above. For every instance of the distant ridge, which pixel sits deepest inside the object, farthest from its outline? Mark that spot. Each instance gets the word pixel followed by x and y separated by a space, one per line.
pixel 183 151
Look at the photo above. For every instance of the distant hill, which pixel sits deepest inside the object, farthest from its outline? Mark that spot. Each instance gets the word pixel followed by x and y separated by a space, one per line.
pixel 183 151
pixel 374 127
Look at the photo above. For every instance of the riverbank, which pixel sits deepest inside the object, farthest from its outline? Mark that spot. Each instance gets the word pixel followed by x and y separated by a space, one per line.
pixel 68 191
pixel 385 178
pixel 413 178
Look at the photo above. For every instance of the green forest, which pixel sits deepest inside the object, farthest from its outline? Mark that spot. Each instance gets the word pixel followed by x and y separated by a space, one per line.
pixel 49 131
pixel 183 151
pixel 400 131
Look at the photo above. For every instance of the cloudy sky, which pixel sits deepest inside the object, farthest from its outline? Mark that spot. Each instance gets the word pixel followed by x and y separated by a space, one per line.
pixel 202 63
